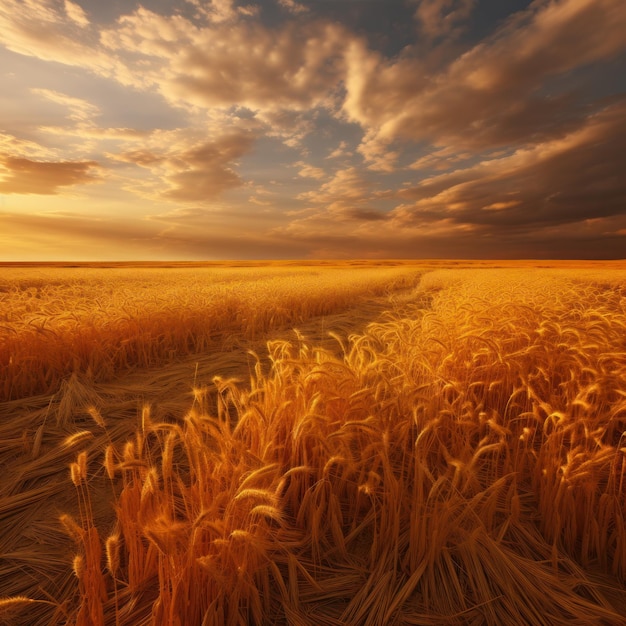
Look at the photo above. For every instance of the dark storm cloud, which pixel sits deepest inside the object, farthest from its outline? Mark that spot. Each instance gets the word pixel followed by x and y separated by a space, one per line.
pixel 488 96
pixel 578 177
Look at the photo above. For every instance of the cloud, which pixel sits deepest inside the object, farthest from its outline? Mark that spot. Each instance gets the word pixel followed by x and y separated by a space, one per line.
pixel 23 176
pixel 220 59
pixel 377 153
pixel 188 233
pixel 565 197
pixel 490 95
pixel 448 240
pixel 219 11
pixel 443 147
pixel 310 171
pixel 143 157
pixel 340 151
pixel 193 171
pixel 347 196
pixel 78 110
pixel 148 34
pixel 52 31
pixel 76 13
pixel 293 7
pixel 225 232
pixel 68 236
pixel 206 171
pixel 16 147
pixel 441 159
pixel 441 17
pixel 296 66
pixel 561 181
pixel 96 132
pixel 202 234
pixel 230 245
pixel 291 127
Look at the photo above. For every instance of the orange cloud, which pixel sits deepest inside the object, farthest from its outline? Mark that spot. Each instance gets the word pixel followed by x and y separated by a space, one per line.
pixel 67 235
pixel 14 146
pixel 486 97
pixel 340 151
pixel 40 28
pixel 441 17
pixel 78 110
pixel 76 13
pixel 23 176
pixel 561 181
pixel 219 11
pixel 192 171
pixel 292 6
pixel 246 64
pixel 310 171
pixel 204 172
pixel 347 196
pixel 454 147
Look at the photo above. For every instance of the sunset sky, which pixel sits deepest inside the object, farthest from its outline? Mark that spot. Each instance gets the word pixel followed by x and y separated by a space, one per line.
pixel 226 129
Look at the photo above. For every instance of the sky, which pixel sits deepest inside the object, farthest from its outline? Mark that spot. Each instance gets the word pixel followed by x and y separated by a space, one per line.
pixel 306 129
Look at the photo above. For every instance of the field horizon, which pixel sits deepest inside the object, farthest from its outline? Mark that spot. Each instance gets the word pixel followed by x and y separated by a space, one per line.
pixel 361 442
pixel 425 262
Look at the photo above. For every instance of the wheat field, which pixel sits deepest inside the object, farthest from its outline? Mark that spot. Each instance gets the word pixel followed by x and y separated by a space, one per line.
pixel 313 444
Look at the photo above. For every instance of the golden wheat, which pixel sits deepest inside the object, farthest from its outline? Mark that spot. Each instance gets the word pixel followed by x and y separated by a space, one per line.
pixel 100 321
pixel 461 461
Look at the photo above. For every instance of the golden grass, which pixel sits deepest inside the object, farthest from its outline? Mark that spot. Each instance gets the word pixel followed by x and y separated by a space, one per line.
pixel 102 321
pixel 461 461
